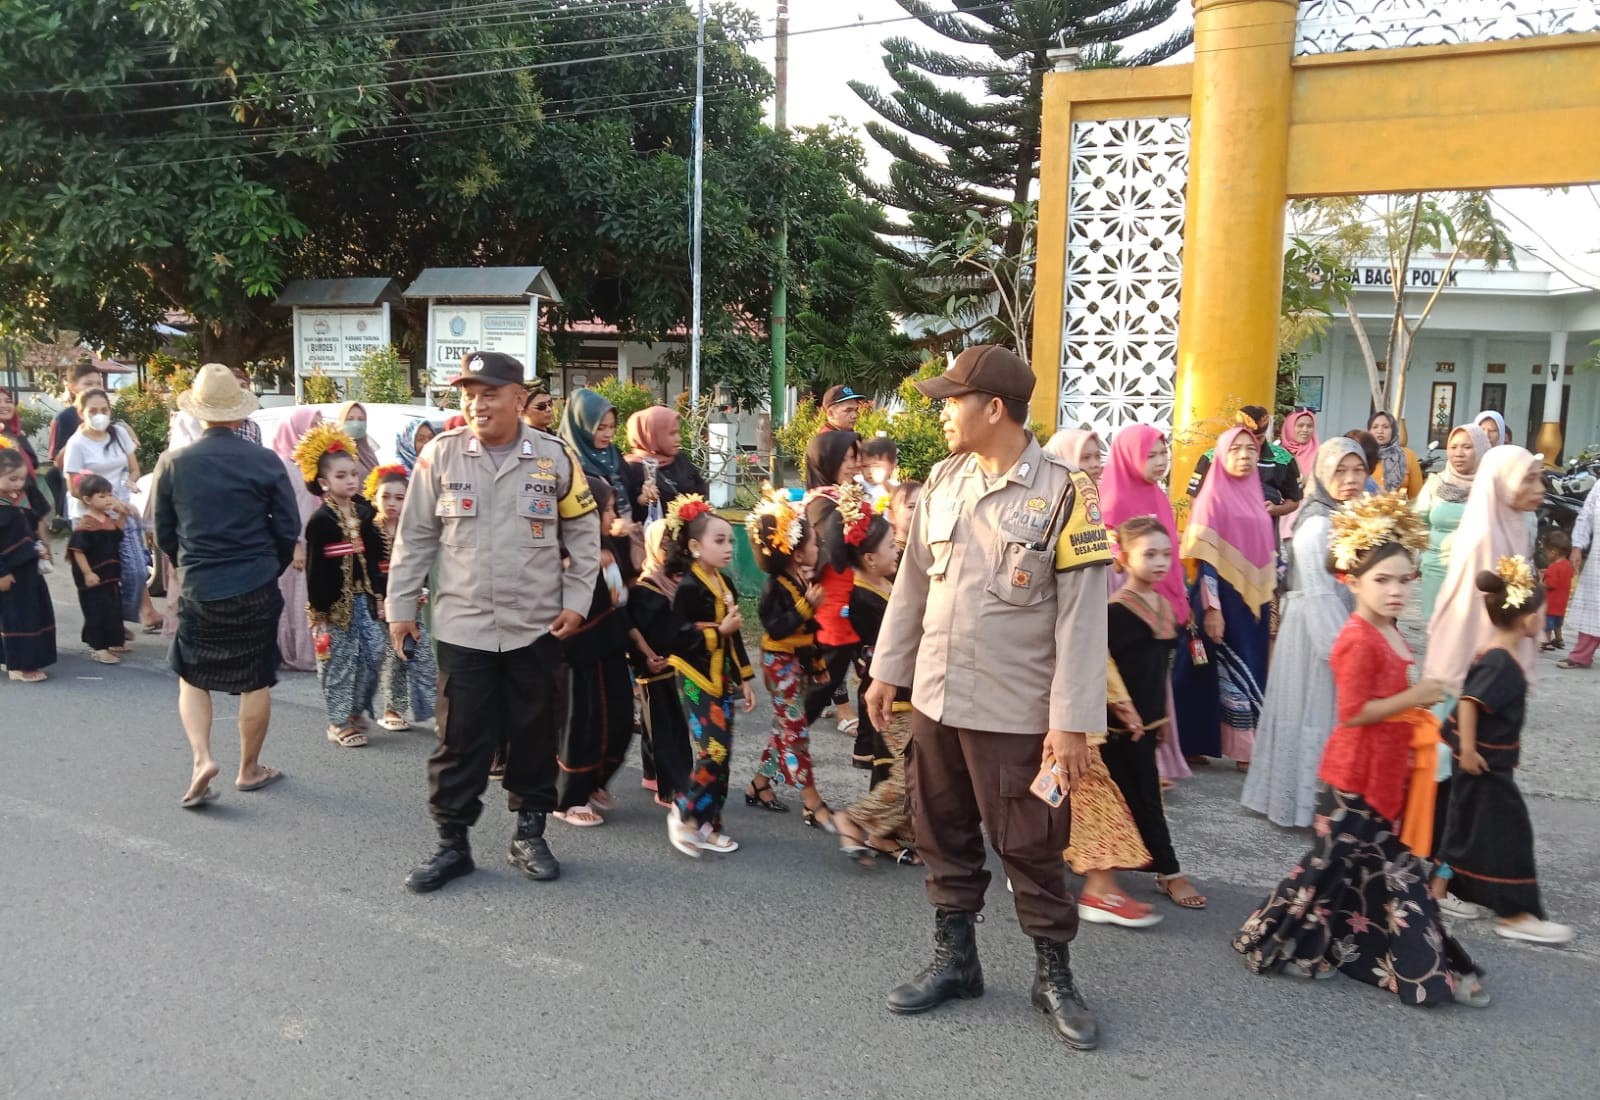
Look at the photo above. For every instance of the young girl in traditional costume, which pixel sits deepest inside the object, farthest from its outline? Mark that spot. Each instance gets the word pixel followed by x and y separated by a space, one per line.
pixel 880 822
pixel 715 672
pixel 786 550
pixel 95 549
pixel 660 633
pixel 344 581
pixel 27 618
pixel 409 687
pixel 1488 837
pixel 1359 902
pixel 1142 635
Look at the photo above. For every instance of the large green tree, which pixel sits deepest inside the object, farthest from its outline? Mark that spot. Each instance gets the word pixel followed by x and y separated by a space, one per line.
pixel 963 124
pixel 196 154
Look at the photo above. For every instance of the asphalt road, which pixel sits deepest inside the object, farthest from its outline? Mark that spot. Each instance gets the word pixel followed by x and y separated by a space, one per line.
pixel 266 948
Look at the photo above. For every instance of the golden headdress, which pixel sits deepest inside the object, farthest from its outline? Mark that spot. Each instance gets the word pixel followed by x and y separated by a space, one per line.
pixel 788 526
pixel 381 474
pixel 685 509
pixel 324 437
pixel 1369 522
pixel 1520 579
pixel 855 512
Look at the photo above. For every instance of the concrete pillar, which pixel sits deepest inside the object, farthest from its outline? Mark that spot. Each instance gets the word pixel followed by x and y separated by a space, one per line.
pixel 624 371
pixel 1549 441
pixel 1233 243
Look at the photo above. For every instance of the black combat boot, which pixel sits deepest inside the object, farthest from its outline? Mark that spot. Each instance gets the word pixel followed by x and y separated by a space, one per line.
pixel 451 860
pixel 529 853
pixel 954 972
pixel 1055 994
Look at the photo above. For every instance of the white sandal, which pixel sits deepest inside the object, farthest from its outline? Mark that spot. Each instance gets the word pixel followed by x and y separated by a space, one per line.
pixel 347 738
pixel 580 817
pixel 394 723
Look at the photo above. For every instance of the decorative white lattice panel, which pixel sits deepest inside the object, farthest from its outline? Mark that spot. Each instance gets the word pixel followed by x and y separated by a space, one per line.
pixel 1125 208
pixel 1336 26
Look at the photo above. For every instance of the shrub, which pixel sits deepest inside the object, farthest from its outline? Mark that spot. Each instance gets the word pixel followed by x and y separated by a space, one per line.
pixel 384 378
pixel 320 389
pixel 148 411
pixel 34 419
pixel 628 398
pixel 915 428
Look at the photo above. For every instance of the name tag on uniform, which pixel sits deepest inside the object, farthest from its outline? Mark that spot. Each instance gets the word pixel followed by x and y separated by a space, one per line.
pixel 1027 523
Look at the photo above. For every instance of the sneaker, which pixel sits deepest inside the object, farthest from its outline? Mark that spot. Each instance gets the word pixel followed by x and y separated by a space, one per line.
pixel 1116 909
pixel 682 835
pixel 1533 930
pixel 710 840
pixel 1452 906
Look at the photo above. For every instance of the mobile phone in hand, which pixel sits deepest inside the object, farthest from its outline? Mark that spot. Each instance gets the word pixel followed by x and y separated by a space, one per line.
pixel 1046 787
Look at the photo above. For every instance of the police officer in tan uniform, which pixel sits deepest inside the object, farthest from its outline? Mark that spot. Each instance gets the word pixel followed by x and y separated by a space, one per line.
pixel 998 626
pixel 497 505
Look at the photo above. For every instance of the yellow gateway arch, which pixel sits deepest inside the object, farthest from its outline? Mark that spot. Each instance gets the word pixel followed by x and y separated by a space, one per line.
pixel 1172 178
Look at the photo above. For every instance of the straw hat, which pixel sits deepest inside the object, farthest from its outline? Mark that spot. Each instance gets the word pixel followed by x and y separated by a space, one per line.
pixel 216 397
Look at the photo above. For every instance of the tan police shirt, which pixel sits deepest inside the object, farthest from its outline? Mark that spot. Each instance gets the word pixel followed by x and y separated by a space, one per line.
pixel 498 533
pixel 997 621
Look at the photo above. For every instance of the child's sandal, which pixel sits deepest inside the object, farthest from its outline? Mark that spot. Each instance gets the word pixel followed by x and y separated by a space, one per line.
pixel 347 737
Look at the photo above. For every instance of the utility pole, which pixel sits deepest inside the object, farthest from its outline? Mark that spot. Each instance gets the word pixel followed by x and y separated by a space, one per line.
pixel 699 183
pixel 780 290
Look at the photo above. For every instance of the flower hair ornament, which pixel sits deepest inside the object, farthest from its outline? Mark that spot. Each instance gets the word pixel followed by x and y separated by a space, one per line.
pixel 6 444
pixel 787 525
pixel 382 474
pixel 1369 522
pixel 1519 577
pixel 321 440
pixel 855 512
pixel 685 510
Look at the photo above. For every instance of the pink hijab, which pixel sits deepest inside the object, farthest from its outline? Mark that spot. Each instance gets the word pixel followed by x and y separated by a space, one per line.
pixel 1229 529
pixel 292 430
pixel 650 432
pixel 1490 530
pixel 1305 456
pixel 1124 494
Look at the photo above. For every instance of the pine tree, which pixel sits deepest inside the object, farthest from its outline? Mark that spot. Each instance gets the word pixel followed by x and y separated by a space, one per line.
pixel 985 154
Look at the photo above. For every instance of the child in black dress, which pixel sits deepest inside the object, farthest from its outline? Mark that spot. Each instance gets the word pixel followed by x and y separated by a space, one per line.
pixel 27 618
pixel 660 633
pixel 1488 838
pixel 96 552
pixel 1142 635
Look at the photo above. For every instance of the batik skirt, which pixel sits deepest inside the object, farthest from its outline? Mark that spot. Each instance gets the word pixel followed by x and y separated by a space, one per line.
pixel 1358 902
pixel 348 672
pixel 409 688
pixel 884 812
pixel 787 757
pixel 711 727
pixel 1104 835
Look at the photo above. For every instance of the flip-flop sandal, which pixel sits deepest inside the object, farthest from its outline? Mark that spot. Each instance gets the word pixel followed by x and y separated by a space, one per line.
pixel 394 724
pixel 601 800
pixel 195 801
pixel 33 677
pixel 1570 663
pixel 848 725
pixel 347 738
pixel 272 776
pixel 579 817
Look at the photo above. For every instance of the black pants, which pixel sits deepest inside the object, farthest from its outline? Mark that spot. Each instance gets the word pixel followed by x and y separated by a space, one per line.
pixel 57 484
pixel 666 737
pixel 838 659
pixel 487 700
pixel 1132 765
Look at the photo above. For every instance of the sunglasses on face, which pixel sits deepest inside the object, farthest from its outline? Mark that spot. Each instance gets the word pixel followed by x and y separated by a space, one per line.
pixel 541 406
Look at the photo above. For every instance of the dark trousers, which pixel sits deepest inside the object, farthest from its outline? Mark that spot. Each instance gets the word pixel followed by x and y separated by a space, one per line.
pixel 487 700
pixel 1132 765
pixel 960 782
pixel 666 738
pixel 838 659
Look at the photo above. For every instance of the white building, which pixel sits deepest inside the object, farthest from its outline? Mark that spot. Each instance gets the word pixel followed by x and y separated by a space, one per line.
pixel 1488 344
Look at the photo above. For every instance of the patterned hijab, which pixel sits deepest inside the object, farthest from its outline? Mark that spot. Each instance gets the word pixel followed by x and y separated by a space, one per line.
pixel 579 421
pixel 1391 455
pixel 1124 494
pixel 405 444
pixel 1454 487
pixel 1230 530
pixel 1490 529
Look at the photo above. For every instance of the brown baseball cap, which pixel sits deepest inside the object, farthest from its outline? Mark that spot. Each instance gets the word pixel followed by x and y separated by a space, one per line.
pixel 982 368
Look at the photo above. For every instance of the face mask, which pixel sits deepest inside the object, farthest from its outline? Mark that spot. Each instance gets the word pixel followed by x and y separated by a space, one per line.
pixel 356 429
pixel 100 422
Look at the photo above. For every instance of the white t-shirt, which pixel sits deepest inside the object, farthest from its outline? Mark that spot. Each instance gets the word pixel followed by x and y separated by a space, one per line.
pixel 109 459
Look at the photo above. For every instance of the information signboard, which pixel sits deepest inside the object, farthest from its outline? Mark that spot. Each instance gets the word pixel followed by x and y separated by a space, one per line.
pixel 335 341
pixel 459 329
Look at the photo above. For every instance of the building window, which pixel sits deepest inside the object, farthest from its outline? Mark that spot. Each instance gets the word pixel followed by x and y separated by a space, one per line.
pixel 591 365
pixel 1494 395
